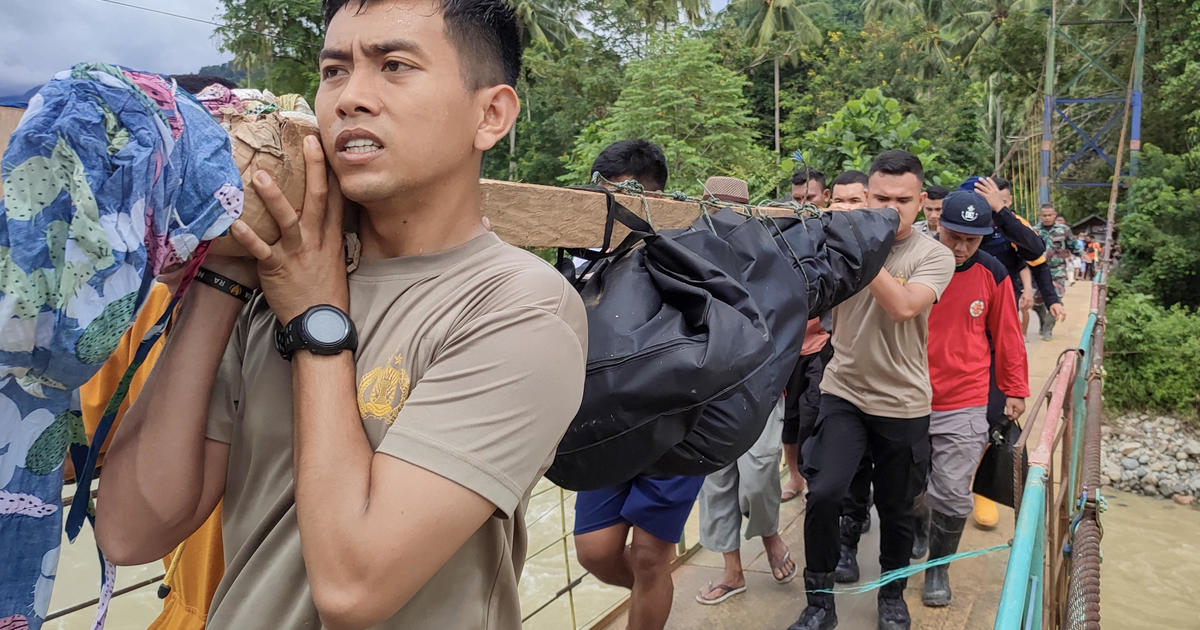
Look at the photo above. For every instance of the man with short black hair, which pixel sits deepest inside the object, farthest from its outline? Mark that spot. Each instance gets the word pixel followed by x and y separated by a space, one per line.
pixel 932 210
pixel 875 398
pixel 1021 250
pixel 976 311
pixel 375 434
pixel 636 159
pixel 808 186
pixel 849 191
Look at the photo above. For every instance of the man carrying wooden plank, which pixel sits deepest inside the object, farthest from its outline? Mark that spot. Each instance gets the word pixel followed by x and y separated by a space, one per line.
pixel 375 435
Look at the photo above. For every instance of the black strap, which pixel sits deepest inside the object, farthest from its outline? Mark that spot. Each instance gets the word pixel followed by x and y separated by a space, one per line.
pixel 639 230
pixel 224 285
pixel 616 212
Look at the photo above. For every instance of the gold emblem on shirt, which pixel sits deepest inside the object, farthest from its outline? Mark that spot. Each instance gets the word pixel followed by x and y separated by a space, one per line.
pixel 382 391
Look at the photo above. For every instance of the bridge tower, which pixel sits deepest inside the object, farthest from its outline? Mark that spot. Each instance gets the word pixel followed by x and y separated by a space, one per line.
pixel 1089 105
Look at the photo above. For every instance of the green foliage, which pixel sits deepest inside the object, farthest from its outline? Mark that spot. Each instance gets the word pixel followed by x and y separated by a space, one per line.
pixel 1160 244
pixel 950 106
pixel 1152 356
pixel 680 97
pixel 275 42
pixel 1174 52
pixel 867 126
pixel 562 91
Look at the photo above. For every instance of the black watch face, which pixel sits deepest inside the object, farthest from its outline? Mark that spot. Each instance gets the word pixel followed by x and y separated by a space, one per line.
pixel 326 326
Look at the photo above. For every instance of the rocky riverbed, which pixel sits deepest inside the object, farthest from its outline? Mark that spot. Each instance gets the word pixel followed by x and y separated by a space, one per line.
pixel 1157 456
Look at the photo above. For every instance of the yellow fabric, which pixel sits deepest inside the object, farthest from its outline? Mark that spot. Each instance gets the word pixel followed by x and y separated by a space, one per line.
pixel 199 569
pixel 203 561
pixel 95 394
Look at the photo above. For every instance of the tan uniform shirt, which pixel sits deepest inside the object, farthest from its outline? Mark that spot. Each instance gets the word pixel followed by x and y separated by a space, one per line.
pixel 470 365
pixel 878 365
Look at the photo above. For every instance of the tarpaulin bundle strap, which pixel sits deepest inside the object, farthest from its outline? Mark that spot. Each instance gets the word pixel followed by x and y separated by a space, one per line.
pixel 615 212
pixel 111 177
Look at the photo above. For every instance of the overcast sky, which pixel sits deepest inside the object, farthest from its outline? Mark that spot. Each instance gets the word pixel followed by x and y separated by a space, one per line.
pixel 41 37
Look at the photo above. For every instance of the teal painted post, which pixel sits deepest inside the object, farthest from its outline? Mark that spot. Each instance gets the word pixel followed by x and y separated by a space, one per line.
pixel 1038 566
pixel 1031 520
pixel 1078 407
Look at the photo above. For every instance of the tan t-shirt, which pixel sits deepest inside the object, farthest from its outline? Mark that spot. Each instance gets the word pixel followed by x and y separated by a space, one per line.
pixel 880 366
pixel 470 365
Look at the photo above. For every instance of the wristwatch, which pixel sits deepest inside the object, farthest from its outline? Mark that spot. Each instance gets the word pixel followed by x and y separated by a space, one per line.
pixel 322 329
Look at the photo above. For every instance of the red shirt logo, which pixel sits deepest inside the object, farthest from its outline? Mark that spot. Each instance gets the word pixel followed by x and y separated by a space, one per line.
pixel 976 308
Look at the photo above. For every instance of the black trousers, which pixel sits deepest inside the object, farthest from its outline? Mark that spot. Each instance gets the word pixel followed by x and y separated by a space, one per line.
pixel 899 448
pixel 857 504
pixel 803 395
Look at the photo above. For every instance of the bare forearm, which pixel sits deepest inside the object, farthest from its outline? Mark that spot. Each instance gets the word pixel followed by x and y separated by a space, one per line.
pixel 1026 280
pixel 332 467
pixel 899 302
pixel 154 470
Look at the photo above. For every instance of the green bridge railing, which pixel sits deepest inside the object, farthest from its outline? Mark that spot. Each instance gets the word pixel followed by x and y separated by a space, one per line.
pixel 1053 574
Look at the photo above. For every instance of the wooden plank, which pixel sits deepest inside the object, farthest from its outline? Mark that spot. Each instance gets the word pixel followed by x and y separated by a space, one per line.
pixel 535 216
pixel 545 216
pixel 9 117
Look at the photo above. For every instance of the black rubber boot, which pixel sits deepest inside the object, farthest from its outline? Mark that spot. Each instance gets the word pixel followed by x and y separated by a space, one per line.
pixel 920 528
pixel 893 611
pixel 847 566
pixel 820 613
pixel 944 534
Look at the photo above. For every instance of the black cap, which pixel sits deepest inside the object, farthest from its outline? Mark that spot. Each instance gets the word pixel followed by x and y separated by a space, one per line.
pixel 966 212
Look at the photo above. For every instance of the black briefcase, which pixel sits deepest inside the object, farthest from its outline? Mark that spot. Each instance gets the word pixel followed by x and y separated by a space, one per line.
pixel 994 478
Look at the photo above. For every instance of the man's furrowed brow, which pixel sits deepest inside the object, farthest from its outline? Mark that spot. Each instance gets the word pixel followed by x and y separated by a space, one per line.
pixel 394 45
pixel 375 50
pixel 337 54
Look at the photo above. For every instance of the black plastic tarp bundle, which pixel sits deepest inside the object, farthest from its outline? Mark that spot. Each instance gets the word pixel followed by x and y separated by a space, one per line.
pixel 693 334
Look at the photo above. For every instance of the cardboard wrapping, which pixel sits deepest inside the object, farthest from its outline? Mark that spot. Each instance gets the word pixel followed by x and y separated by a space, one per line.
pixel 274 143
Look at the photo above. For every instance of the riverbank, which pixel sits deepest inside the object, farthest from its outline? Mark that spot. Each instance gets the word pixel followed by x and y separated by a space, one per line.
pixel 1155 456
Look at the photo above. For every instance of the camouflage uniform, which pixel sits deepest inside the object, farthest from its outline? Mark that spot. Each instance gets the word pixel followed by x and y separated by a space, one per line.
pixel 1060 244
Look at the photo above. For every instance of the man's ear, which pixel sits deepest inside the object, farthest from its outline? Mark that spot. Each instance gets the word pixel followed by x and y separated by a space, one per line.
pixel 499 108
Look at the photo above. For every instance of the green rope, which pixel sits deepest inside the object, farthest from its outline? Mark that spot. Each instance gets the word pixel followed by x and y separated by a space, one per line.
pixel 896 574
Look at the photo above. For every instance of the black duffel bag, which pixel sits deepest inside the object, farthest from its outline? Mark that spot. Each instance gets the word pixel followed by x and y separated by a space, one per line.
pixel 669 330
pixel 729 426
pixel 785 263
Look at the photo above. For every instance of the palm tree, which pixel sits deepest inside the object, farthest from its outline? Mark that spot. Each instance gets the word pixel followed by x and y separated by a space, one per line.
pixel 950 27
pixel 939 33
pixel 668 12
pixel 555 22
pixel 778 28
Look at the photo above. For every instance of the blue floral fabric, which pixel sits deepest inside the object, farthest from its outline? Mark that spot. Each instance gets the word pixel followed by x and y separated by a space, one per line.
pixel 111 176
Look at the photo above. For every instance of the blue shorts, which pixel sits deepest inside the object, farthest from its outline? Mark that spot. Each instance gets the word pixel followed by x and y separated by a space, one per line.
pixel 658 505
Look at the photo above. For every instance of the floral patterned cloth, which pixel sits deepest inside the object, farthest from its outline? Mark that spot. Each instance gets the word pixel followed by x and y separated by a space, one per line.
pixel 111 176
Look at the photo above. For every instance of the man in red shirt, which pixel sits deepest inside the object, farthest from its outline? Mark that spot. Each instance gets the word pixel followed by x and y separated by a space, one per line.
pixel 977 304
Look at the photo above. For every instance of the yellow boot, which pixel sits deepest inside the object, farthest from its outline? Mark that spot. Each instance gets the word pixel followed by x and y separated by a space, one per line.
pixel 986 514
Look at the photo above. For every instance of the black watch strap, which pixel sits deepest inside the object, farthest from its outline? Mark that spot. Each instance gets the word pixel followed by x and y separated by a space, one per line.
pixel 291 337
pixel 224 285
